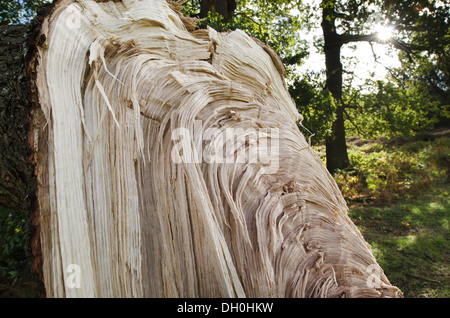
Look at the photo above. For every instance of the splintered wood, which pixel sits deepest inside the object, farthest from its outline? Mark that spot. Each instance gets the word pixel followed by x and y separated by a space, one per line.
pixel 170 164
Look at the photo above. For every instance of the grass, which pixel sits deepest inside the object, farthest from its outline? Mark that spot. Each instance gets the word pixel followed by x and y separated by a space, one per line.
pixel 398 196
pixel 410 240
pixel 16 279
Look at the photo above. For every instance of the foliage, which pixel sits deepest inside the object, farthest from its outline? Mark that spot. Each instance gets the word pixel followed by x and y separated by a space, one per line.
pixel 426 59
pixel 410 240
pixel 384 177
pixel 384 172
pixel 424 24
pixel 275 22
pixel 316 105
pixel 420 99
pixel 398 193
pixel 14 237
pixel 429 75
pixel 18 11
pixel 351 16
pixel 392 111
pixel 388 110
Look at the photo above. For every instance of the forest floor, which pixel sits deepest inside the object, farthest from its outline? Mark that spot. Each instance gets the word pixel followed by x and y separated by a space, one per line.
pixel 410 240
pixel 398 193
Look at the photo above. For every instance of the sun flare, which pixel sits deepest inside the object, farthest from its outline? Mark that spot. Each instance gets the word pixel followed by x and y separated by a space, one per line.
pixel 384 33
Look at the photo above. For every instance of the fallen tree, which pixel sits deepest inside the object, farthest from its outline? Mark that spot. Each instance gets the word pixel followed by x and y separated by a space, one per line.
pixel 169 163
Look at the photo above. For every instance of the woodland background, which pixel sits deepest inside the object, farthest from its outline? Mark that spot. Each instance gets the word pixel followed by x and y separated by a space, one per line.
pixel 379 120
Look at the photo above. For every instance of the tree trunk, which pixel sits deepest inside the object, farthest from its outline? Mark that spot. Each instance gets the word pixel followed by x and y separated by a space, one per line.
pixel 225 8
pixel 18 182
pixel 17 185
pixel 169 164
pixel 336 146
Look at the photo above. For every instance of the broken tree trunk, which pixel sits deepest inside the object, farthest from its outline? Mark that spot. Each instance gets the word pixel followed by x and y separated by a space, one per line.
pixel 169 164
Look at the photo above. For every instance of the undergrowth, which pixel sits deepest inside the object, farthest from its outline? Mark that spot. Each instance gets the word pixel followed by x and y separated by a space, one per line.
pixel 411 241
pixel 398 193
pixel 385 171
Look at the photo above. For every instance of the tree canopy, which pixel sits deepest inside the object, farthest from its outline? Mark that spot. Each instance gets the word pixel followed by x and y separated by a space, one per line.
pixel 414 96
pixel 18 11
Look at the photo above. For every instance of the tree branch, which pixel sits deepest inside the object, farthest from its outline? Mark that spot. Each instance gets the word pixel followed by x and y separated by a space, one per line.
pixel 343 16
pixel 375 57
pixel 352 122
pixel 348 38
pixel 373 37
pixel 252 20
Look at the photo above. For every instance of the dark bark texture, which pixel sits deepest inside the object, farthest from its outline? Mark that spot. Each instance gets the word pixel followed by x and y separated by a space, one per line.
pixel 336 147
pixel 225 8
pixel 17 181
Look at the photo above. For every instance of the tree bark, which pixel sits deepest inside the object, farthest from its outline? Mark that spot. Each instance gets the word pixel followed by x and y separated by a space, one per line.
pixel 141 190
pixel 17 184
pixel 336 146
pixel 225 8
